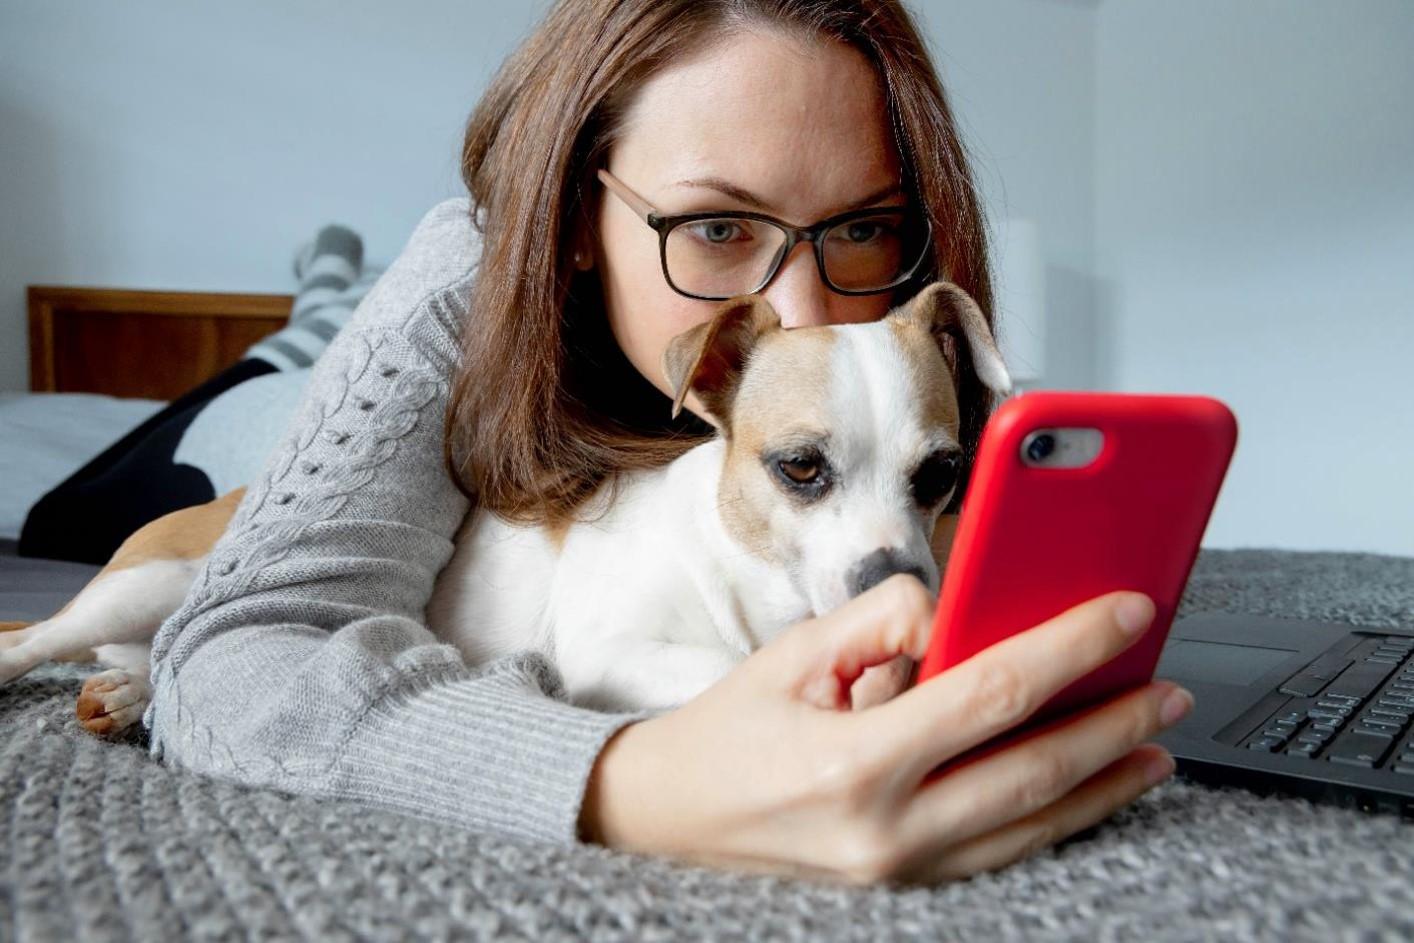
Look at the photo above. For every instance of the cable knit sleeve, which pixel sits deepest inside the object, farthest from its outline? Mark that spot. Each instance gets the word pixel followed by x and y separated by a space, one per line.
pixel 300 658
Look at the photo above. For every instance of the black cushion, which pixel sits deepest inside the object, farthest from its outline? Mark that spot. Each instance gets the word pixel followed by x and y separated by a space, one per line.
pixel 132 482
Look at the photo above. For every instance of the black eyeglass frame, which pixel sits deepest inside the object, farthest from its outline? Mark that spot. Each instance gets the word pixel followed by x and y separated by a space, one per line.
pixel 663 225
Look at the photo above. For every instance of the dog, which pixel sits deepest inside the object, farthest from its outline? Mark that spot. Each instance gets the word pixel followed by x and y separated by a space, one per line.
pixel 837 450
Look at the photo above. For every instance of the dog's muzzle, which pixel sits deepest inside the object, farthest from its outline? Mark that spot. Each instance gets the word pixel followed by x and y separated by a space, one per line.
pixel 877 567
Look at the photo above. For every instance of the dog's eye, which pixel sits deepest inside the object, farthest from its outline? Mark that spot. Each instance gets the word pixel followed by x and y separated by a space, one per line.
pixel 935 478
pixel 802 471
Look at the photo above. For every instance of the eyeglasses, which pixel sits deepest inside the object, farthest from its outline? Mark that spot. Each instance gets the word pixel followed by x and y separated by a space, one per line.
pixel 715 256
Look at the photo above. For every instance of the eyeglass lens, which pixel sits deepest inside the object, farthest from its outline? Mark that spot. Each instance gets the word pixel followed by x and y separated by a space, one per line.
pixel 728 255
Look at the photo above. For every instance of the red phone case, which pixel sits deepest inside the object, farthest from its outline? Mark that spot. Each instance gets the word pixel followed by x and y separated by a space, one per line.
pixel 1033 542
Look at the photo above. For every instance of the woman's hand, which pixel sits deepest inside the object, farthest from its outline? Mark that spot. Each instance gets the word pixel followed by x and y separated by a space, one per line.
pixel 770 770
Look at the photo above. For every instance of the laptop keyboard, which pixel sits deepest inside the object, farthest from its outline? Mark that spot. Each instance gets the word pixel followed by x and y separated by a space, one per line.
pixel 1351 708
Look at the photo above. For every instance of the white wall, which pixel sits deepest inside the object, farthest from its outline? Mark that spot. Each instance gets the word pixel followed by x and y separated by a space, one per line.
pixel 1255 234
pixel 166 144
pixel 162 144
pixel 1021 74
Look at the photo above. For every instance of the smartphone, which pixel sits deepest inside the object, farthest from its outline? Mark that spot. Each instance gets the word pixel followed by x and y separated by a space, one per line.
pixel 1074 495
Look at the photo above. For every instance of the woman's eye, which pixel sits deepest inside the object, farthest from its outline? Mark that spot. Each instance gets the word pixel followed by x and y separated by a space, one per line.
pixel 717 231
pixel 802 471
pixel 862 232
pixel 935 478
pixel 866 232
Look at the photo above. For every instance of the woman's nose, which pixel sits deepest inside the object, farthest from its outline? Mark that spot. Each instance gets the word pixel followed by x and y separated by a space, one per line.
pixel 798 293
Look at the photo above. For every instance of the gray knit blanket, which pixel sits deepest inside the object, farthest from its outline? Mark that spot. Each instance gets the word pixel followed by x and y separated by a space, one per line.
pixel 98 842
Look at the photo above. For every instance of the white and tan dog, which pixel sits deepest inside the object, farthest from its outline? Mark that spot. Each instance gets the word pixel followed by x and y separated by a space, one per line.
pixel 837 450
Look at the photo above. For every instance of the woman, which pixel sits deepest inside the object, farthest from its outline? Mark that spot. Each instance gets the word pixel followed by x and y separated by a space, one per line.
pixel 508 361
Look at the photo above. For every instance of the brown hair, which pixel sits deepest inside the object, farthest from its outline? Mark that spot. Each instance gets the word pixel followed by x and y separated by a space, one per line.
pixel 545 408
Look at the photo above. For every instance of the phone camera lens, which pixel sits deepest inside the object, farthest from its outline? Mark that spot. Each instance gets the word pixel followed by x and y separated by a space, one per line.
pixel 1040 447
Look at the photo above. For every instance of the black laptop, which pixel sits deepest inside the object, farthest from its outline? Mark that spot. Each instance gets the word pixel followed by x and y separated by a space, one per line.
pixel 1316 709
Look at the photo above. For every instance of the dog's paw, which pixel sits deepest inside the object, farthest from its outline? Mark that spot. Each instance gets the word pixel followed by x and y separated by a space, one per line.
pixel 112 701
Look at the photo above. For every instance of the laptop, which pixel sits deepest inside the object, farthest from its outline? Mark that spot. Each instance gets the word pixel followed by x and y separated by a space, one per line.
pixel 1314 709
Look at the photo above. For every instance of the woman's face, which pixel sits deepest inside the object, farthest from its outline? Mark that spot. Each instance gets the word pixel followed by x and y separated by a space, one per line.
pixel 804 128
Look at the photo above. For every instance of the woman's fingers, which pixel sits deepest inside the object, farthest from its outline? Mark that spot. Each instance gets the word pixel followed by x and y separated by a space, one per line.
pixel 829 653
pixel 1001 686
pixel 1093 801
pixel 882 682
pixel 1015 782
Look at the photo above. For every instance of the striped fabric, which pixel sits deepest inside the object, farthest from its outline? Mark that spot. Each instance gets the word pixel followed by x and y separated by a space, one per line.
pixel 332 281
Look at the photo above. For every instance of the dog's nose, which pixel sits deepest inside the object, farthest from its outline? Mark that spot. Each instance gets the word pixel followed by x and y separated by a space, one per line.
pixel 877 567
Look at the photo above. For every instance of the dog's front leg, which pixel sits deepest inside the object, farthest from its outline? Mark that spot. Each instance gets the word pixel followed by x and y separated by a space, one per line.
pixel 627 673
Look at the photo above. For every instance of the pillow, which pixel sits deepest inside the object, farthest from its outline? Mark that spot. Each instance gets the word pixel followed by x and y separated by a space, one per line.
pixel 213 438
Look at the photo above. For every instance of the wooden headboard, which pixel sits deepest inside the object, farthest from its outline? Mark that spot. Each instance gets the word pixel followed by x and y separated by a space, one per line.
pixel 150 344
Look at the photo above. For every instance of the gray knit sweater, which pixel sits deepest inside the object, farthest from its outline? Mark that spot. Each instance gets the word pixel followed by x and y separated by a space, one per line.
pixel 300 658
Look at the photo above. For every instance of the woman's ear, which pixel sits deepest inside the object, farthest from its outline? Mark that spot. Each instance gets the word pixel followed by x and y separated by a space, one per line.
pixel 582 248
pixel 581 241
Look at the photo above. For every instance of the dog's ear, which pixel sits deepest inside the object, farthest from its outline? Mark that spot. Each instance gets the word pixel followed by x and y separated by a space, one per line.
pixel 947 312
pixel 708 358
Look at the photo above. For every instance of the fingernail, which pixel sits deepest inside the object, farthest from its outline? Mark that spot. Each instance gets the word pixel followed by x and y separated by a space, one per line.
pixel 1176 704
pixel 1158 768
pixel 1134 613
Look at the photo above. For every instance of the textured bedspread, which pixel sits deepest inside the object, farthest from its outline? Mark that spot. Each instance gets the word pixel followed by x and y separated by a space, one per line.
pixel 98 842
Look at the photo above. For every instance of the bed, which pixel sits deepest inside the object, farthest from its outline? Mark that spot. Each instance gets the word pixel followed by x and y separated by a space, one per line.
pixel 100 842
